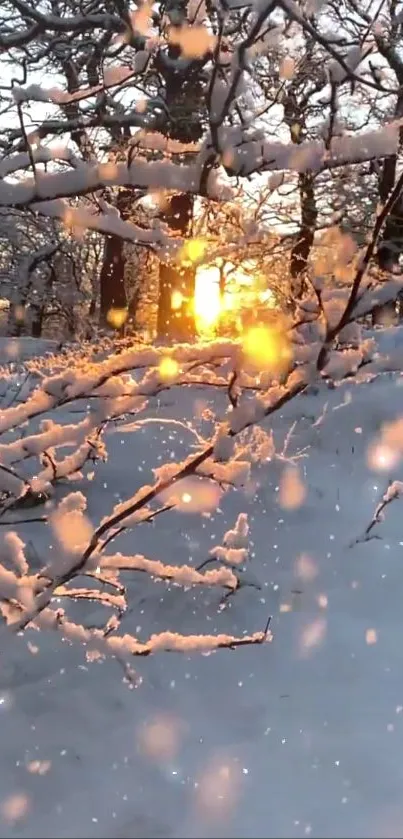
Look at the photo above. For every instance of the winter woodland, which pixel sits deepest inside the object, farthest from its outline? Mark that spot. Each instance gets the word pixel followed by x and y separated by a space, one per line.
pixel 201 231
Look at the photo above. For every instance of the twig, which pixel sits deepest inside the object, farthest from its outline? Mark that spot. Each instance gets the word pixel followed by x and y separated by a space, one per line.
pixel 43 519
pixel 232 396
pixel 360 273
pixel 394 491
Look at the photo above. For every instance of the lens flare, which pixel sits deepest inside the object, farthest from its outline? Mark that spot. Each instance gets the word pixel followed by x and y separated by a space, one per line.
pixel 117 317
pixel 176 300
pixel 207 300
pixel 266 348
pixel 168 369
pixel 193 251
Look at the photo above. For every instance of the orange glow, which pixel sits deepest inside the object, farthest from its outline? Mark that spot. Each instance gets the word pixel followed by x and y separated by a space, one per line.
pixel 117 317
pixel 193 251
pixel 168 369
pixel 207 301
pixel 193 495
pixel 242 292
pixel 382 457
pixel 265 348
pixel 176 300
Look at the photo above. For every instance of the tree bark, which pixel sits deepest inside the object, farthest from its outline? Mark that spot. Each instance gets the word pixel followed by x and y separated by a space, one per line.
pixel 17 319
pixel 177 323
pixel 184 95
pixel 295 104
pixel 112 276
pixel 112 288
pixel 305 238
pixel 391 240
pixel 390 245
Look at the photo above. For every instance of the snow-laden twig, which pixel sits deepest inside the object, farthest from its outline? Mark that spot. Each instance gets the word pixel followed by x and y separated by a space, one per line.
pixel 61 390
pixel 182 574
pixel 127 645
pixel 393 492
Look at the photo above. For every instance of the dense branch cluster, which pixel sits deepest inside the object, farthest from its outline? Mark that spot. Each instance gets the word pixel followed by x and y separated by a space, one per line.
pixel 185 104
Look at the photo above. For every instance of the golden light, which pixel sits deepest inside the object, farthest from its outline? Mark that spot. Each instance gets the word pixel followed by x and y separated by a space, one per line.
pixel 193 495
pixel 176 300
pixel 266 348
pixel 193 250
pixel 207 299
pixel 168 369
pixel 241 294
pixel 116 317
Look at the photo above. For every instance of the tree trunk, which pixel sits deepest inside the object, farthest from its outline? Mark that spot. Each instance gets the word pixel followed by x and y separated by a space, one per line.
pixel 177 323
pixel 390 245
pixel 185 93
pixel 112 276
pixel 305 238
pixel 295 118
pixel 112 287
pixel 391 238
pixel 17 318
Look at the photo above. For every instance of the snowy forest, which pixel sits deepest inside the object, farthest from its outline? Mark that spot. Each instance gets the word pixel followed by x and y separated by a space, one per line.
pixel 201 429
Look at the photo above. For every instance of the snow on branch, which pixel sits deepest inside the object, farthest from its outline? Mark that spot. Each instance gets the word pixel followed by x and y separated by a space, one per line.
pixel 247 153
pixel 111 388
pixel 92 177
pixel 182 574
pixel 70 385
pixel 392 493
pixel 79 219
pixel 43 154
pixel 115 76
pixel 127 646
pixel 235 547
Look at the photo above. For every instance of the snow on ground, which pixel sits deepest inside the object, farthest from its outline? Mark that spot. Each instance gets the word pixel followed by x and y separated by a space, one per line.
pixel 21 349
pixel 299 737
